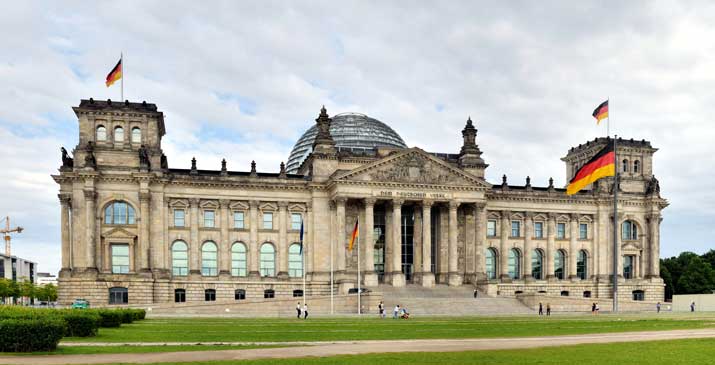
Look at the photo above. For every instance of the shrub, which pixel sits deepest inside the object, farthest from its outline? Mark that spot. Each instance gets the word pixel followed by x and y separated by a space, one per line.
pixel 25 335
pixel 81 323
pixel 139 314
pixel 127 315
pixel 109 317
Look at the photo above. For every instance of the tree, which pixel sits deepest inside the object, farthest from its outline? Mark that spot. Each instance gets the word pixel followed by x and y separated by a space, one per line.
pixel 4 289
pixel 709 257
pixel 698 278
pixel 667 280
pixel 47 293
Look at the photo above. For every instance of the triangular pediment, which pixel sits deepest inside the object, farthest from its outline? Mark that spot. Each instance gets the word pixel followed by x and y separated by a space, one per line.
pixel 413 166
pixel 118 232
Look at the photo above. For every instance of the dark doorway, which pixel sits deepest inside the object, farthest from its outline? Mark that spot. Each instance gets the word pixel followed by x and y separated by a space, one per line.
pixel 379 237
pixel 408 247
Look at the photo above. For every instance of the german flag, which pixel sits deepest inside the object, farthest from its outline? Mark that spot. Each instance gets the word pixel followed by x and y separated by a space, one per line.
pixel 601 165
pixel 353 237
pixel 601 112
pixel 115 74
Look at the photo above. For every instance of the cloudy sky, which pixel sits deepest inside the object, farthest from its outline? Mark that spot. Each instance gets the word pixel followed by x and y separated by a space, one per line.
pixel 244 80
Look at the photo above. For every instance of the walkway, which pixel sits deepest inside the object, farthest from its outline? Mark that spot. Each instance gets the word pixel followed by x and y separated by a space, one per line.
pixel 360 347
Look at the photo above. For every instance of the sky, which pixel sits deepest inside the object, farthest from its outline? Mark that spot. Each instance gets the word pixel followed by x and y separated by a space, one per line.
pixel 243 80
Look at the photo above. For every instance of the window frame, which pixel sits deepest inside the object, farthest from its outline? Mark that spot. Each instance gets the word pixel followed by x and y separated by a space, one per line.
pixel 209 295
pixel 560 257
pixel 207 270
pixel 295 258
pixel 237 269
pixel 629 262
pixel 560 230
pixel 514 264
pixel 267 224
pixel 539 233
pixel 239 294
pixel 179 295
pixel 269 294
pixel 515 228
pixel 582 264
pixel 537 257
pixel 119 129
pixel 209 218
pixel 134 134
pixel 174 267
pixel 491 260
pixel 118 291
pixel 583 231
pixel 112 254
pixel 97 130
pixel 491 228
pixel 295 225
pixel 264 270
pixel 181 219
pixel 119 213
pixel 242 214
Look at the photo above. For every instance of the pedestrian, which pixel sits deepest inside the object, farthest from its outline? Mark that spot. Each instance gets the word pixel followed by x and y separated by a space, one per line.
pixel 548 309
pixel 297 309
pixel 597 308
pixel 593 308
pixel 475 293
pixel 381 308
pixel 692 307
pixel 541 309
pixel 395 312
pixel 657 307
pixel 305 311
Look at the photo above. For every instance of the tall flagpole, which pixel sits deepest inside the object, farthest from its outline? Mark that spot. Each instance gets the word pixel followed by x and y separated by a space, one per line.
pixel 302 255
pixel 358 266
pixel 121 60
pixel 331 277
pixel 615 226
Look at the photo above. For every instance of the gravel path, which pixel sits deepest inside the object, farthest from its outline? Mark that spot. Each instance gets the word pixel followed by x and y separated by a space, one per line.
pixel 360 347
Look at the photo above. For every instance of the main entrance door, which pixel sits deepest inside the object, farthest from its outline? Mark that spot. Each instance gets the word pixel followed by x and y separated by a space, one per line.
pixel 379 237
pixel 408 230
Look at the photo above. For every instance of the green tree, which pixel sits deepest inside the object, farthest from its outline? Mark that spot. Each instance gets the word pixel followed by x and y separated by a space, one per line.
pixel 667 279
pixel 14 291
pixel 4 289
pixel 47 293
pixel 709 257
pixel 697 278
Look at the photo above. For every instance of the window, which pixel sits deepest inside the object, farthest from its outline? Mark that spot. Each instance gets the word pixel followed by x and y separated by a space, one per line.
pixel 295 261
pixel 269 293
pixel 179 258
pixel 295 221
pixel 629 231
pixel 209 218
pixel 101 133
pixel 515 229
pixel 297 293
pixel 119 134
pixel 179 216
pixel 118 295
pixel 209 259
pixel 179 295
pixel 267 220
pixel 238 220
pixel 559 264
pixel 560 230
pixel 491 264
pixel 582 265
pixel 119 212
pixel 268 260
pixel 514 263
pixel 538 230
pixel 120 259
pixel 583 231
pixel 136 135
pixel 238 259
pixel 638 295
pixel 210 295
pixel 587 294
pixel 564 293
pixel 491 228
pixel 636 166
pixel 537 264
pixel 239 294
pixel 628 266
pixel 625 166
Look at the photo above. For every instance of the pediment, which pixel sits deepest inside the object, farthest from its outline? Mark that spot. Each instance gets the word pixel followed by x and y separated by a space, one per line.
pixel 179 203
pixel 412 166
pixel 630 247
pixel 238 205
pixel 119 232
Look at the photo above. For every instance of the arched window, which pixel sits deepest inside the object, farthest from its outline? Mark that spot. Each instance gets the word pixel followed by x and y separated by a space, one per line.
pixel 295 261
pixel 101 133
pixel 537 264
pixel 119 212
pixel 136 135
pixel 118 134
pixel 629 231
pixel 491 264
pixel 179 295
pixel 582 265
pixel 209 259
pixel 239 294
pixel 636 166
pixel 514 263
pixel 559 264
pixel 210 295
pixel 624 167
pixel 180 258
pixel 118 295
pixel 268 260
pixel 238 259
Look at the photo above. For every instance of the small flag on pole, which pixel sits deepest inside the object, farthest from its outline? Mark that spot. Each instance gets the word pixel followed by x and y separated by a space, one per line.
pixel 115 74
pixel 353 236
pixel 601 112
pixel 301 237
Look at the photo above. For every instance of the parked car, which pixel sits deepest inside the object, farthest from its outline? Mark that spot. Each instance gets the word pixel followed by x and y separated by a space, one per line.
pixel 80 304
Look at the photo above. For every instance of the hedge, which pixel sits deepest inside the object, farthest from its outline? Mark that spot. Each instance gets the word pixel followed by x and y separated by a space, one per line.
pixel 78 323
pixel 109 317
pixel 81 324
pixel 25 335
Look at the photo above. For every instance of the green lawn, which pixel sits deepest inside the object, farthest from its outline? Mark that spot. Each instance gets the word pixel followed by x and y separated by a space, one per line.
pixel 699 351
pixel 328 329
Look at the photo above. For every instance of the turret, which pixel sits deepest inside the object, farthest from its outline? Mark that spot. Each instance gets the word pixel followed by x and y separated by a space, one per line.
pixel 470 157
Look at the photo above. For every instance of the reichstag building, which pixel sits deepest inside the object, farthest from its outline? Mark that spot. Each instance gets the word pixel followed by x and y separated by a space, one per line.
pixel 136 231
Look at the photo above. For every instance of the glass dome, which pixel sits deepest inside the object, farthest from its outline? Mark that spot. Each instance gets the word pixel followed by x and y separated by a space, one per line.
pixel 349 130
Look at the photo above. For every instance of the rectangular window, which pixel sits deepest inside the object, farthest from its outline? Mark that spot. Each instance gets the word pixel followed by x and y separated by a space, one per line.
pixel 179 217
pixel 491 228
pixel 583 231
pixel 209 218
pixel 538 229
pixel 295 220
pixel 238 220
pixel 560 230
pixel 267 220
pixel 515 229
pixel 628 262
pixel 120 259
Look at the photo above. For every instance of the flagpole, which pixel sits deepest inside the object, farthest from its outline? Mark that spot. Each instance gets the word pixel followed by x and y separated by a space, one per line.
pixel 121 60
pixel 302 247
pixel 615 226
pixel 358 267
pixel 331 278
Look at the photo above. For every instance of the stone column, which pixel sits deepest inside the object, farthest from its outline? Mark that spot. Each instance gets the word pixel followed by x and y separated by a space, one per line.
pixel 340 238
pixel 282 247
pixel 396 276
pixel 142 258
pixel 550 246
pixel 65 202
pixel 504 246
pixel 654 249
pixel 481 242
pixel 89 199
pixel 573 247
pixel 368 264
pixel 455 278
pixel 427 277
pixel 224 247
pixel 194 245
pixel 528 246
pixel 253 237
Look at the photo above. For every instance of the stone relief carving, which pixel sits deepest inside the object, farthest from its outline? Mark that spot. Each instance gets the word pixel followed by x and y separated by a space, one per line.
pixel 415 169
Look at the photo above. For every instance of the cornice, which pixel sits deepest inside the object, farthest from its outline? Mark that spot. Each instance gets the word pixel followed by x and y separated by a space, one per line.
pixel 333 183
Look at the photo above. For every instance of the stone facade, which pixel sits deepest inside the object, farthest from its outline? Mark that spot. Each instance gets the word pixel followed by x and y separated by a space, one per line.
pixel 135 230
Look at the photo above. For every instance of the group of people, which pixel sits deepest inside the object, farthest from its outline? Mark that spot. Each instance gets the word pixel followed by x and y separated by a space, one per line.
pixel 397 312
pixel 302 310
pixel 595 308
pixel 541 309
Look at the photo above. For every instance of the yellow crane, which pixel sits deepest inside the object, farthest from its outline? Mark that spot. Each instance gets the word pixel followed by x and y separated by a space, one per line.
pixel 6 231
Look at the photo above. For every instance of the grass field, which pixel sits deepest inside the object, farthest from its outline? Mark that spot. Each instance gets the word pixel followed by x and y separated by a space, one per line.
pixel 330 329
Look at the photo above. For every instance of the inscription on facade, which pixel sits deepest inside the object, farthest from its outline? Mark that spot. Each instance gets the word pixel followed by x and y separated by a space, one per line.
pixel 413 195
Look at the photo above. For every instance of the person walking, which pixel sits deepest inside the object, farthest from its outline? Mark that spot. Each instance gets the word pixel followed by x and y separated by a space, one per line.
pixel 593 308
pixel 396 312
pixel 541 309
pixel 597 308
pixel 305 311
pixel 548 309
pixel 297 309
pixel 692 307
pixel 475 293
pixel 381 308
pixel 657 307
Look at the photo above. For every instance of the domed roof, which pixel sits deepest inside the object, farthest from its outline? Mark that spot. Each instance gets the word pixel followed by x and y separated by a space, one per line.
pixel 349 130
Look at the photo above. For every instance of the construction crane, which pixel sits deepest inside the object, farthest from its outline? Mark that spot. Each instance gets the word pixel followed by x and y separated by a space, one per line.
pixel 7 232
